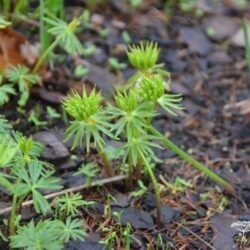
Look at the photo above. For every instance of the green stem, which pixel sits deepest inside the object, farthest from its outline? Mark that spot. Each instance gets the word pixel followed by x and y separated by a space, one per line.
pixel 130 174
pixel 138 171
pixel 156 188
pixel 13 215
pixel 106 163
pixel 45 55
pixel 191 160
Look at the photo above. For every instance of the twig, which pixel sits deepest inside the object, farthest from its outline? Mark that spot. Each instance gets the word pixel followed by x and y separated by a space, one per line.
pixel 69 190
pixel 197 236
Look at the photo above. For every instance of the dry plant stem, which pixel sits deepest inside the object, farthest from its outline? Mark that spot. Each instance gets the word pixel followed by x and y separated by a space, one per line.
pixel 69 190
pixel 156 188
pixel 106 163
pixel 192 161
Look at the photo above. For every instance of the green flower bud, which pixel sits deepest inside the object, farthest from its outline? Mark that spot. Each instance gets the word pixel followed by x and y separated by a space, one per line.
pixel 151 88
pixel 144 56
pixel 81 108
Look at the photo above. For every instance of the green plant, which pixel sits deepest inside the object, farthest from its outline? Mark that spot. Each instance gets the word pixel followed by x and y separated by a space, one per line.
pixel 68 204
pixel 28 174
pixel 20 75
pixel 5 90
pixel 52 113
pixel 54 7
pixel 89 170
pixel 47 234
pixel 131 116
pixel 64 37
pixel 80 71
pixel 115 65
pixel 89 122
pixel 141 191
pixel 247 41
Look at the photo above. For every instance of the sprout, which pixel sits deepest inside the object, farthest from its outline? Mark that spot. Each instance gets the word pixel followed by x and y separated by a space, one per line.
pixel 144 56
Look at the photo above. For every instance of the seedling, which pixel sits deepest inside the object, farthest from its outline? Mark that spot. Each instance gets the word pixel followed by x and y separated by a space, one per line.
pixel 141 191
pixel 20 75
pixel 80 71
pixel 64 36
pixel 89 170
pixel 135 107
pixel 5 91
pixel 67 205
pixel 89 122
pixel 115 65
pixel 52 113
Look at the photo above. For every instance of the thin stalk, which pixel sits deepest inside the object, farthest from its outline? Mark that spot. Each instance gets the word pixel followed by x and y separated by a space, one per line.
pixel 13 215
pixel 45 55
pixel 130 174
pixel 191 160
pixel 106 163
pixel 247 42
pixel 138 171
pixel 156 188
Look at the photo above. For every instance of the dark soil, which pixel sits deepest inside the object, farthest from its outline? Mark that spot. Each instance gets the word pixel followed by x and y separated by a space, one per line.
pixel 211 73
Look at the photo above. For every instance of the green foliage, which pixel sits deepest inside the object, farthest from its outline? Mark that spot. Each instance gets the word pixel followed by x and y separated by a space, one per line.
pixel 65 33
pixel 71 230
pixel 5 91
pixel 247 41
pixel 4 125
pixel 68 204
pixel 20 75
pixel 34 179
pixel 141 191
pixel 89 119
pixel 47 234
pixel 140 145
pixel 44 235
pixel 56 8
pixel 89 170
pixel 64 37
pixel 115 65
pixel 143 56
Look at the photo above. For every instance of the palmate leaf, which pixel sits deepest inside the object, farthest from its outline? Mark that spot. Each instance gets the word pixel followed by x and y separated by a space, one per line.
pixel 4 125
pixel 7 150
pixel 171 102
pixel 5 91
pixel 69 203
pixel 82 129
pixel 20 75
pixel 140 145
pixel 65 33
pixel 132 122
pixel 42 236
pixel 32 181
pixel 71 230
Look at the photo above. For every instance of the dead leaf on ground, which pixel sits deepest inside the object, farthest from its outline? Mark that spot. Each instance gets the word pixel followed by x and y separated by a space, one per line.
pixel 15 49
pixel 243 106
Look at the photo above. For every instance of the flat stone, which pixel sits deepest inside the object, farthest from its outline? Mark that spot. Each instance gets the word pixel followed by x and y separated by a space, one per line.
pixel 196 40
pixel 219 57
pixel 167 214
pixel 54 149
pixel 223 27
pixel 238 38
pixel 102 78
pixel 137 218
pixel 80 245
